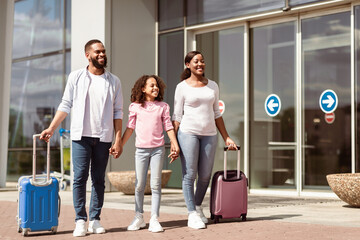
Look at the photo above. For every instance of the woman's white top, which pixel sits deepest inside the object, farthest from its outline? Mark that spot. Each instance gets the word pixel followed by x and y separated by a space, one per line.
pixel 196 108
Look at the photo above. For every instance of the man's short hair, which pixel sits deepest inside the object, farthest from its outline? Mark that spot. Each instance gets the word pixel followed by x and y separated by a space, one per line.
pixel 91 42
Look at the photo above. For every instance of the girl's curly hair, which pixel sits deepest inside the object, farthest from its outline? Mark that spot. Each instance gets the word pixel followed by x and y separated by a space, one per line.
pixel 137 94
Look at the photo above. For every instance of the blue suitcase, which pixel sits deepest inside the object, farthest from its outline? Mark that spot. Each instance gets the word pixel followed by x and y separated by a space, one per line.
pixel 39 202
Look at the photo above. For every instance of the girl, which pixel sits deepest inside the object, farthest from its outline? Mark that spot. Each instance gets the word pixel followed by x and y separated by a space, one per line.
pixel 196 117
pixel 147 114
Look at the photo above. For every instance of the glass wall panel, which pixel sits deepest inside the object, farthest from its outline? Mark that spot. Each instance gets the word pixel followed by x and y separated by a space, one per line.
pixel 36 91
pixel 300 2
pixel 68 24
pixel 171 65
pixel 272 136
pixel 326 65
pixel 171 14
pixel 224 58
pixel 357 87
pixel 38 27
pixel 201 11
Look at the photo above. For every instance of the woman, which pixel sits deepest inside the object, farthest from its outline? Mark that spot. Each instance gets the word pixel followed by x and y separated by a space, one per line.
pixel 196 117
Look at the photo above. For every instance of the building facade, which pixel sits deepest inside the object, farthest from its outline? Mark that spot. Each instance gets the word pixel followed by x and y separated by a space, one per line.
pixel 287 72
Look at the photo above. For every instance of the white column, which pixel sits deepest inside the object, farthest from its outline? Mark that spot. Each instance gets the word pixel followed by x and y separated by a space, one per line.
pixel 6 29
pixel 90 19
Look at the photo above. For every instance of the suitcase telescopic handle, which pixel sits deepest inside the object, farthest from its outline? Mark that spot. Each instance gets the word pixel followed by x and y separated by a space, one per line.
pixel 47 158
pixel 226 149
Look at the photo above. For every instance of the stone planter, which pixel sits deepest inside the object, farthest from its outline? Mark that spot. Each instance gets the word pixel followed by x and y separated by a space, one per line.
pixel 346 186
pixel 124 181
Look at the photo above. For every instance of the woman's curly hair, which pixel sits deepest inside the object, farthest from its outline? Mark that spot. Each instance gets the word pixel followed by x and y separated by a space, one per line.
pixel 137 94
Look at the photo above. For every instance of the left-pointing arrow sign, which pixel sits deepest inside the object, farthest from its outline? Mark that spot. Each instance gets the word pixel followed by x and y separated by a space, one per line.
pixel 272 105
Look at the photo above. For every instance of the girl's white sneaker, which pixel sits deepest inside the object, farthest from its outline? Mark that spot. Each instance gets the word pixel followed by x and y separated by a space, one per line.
pixel 154 225
pixel 137 223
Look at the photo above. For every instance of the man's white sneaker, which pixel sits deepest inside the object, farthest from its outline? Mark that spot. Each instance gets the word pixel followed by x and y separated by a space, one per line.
pixel 194 221
pixel 137 223
pixel 80 229
pixel 154 225
pixel 95 227
pixel 199 210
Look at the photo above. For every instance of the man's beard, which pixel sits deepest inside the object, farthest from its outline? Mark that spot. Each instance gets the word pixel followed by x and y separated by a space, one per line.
pixel 97 64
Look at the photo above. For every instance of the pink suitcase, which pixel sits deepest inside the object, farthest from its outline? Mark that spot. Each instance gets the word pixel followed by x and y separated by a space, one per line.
pixel 229 195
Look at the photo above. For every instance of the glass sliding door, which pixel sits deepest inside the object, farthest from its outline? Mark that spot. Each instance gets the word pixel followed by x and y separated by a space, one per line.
pixel 224 57
pixel 357 86
pixel 326 65
pixel 272 106
pixel 171 64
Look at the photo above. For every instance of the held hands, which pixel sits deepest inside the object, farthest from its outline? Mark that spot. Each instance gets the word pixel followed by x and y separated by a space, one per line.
pixel 174 152
pixel 116 150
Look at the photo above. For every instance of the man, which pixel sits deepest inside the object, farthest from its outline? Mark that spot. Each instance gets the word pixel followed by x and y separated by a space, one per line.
pixel 95 96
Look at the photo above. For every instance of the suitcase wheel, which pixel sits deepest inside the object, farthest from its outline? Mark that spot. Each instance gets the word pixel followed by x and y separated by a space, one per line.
pixel 212 217
pixel 63 185
pixel 25 232
pixel 216 220
pixel 243 217
pixel 19 229
pixel 54 230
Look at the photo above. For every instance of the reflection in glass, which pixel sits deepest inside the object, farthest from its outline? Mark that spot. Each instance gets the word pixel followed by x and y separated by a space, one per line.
pixel 300 2
pixel 36 91
pixel 171 14
pixel 201 11
pixel 224 58
pixel 38 27
pixel 326 65
pixel 272 139
pixel 68 24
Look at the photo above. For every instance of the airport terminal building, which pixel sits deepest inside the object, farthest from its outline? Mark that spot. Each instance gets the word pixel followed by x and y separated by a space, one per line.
pixel 288 73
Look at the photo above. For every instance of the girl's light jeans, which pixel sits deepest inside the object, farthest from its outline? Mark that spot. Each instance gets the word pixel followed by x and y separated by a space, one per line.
pixel 145 157
pixel 197 158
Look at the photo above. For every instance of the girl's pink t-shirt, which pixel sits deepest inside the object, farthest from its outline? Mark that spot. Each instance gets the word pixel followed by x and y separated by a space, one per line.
pixel 148 122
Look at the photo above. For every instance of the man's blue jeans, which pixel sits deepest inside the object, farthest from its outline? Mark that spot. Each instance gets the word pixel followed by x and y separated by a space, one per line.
pixel 197 158
pixel 85 153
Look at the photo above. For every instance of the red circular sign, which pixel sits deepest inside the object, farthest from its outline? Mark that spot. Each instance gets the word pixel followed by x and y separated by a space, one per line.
pixel 330 117
pixel 221 107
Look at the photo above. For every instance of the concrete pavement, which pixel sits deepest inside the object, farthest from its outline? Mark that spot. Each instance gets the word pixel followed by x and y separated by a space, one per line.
pixel 269 217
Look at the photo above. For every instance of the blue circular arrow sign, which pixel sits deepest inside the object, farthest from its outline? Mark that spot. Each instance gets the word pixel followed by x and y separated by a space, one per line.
pixel 328 101
pixel 272 105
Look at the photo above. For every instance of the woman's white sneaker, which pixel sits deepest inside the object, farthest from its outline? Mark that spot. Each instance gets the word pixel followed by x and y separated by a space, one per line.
pixel 154 225
pixel 199 210
pixel 194 221
pixel 137 223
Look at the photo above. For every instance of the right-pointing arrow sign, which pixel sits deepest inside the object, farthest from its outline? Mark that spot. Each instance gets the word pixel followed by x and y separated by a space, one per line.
pixel 328 101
